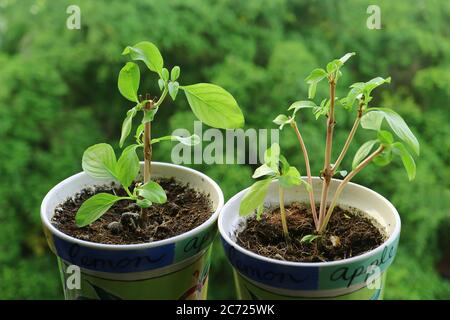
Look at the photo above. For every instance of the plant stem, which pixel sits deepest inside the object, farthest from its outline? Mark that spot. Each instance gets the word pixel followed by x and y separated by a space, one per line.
pixel 148 134
pixel 161 99
pixel 326 172
pixel 349 140
pixel 341 186
pixel 147 142
pixel 128 192
pixel 283 213
pixel 308 173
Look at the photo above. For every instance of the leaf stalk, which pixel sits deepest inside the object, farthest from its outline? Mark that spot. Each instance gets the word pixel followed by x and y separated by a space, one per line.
pixel 308 173
pixel 283 213
pixel 341 186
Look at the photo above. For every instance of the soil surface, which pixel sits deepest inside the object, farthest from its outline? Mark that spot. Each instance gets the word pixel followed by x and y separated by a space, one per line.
pixel 349 233
pixel 184 210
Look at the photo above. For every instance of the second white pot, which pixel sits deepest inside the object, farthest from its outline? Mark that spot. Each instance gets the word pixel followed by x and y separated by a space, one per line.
pixel 360 277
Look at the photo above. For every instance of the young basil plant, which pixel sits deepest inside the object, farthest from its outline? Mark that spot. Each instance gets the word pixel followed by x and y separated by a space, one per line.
pixel 210 103
pixel 371 118
pixel 274 168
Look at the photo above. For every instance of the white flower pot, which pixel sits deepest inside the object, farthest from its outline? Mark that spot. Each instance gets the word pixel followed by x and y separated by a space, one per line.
pixel 174 268
pixel 258 277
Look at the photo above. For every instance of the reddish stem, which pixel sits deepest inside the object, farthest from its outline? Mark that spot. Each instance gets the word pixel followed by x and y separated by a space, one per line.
pixel 308 173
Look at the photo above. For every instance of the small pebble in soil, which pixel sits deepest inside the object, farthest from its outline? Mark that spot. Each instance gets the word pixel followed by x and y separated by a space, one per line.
pixel 115 227
pixel 84 237
pixel 129 220
pixel 335 241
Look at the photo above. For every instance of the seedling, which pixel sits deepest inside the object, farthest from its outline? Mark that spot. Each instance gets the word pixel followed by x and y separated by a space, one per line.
pixel 275 167
pixel 367 117
pixel 210 103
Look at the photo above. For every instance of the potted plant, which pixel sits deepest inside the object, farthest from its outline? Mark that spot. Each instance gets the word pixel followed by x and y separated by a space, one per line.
pixel 125 229
pixel 319 237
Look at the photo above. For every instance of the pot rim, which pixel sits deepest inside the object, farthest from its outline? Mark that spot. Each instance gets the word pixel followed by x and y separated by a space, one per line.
pixel 392 237
pixel 139 246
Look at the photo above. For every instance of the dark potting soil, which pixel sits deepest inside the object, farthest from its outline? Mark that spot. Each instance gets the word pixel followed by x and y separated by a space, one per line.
pixel 350 232
pixel 184 210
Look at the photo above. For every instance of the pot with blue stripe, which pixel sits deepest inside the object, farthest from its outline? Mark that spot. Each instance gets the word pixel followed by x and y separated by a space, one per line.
pixel 174 268
pixel 359 277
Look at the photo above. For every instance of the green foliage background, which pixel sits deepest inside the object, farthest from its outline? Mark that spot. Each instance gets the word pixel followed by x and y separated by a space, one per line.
pixel 58 95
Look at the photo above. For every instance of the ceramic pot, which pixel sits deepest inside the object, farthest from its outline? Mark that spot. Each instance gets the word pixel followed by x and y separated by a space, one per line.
pixel 359 277
pixel 174 268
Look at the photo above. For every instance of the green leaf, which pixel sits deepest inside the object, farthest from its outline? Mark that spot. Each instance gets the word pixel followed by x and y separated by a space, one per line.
pixel 282 120
pixel 173 89
pixel 126 126
pixel 362 89
pixel 272 157
pixel 148 53
pixel 175 73
pixel 94 207
pixel 259 211
pixel 139 131
pixel 407 159
pixel 153 192
pixel 322 110
pixel 165 74
pixel 99 161
pixel 312 90
pixel 362 152
pixel 385 137
pixel 316 75
pixel 354 93
pixel 384 158
pixel 143 203
pixel 263 170
pixel 312 79
pixel 373 83
pixel 128 165
pixel 161 84
pixel 128 82
pixel 297 105
pixel 188 141
pixel 290 178
pixel 309 238
pixel 338 75
pixel 254 197
pixel 346 56
pixel 284 164
pixel 214 106
pixel 149 115
pixel 343 173
pixel 400 128
pixel 334 65
pixel 372 120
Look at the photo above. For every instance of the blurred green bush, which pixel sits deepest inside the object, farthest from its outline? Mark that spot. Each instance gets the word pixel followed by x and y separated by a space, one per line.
pixel 58 95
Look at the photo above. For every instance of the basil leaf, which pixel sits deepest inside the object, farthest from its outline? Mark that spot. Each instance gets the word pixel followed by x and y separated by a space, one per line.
pixel 254 197
pixel 99 161
pixel 214 106
pixel 94 207
pixel 148 53
pixel 128 81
